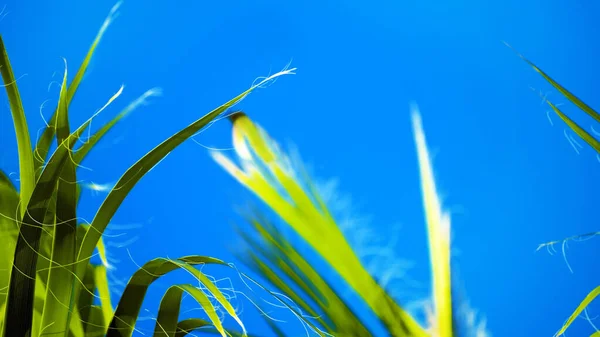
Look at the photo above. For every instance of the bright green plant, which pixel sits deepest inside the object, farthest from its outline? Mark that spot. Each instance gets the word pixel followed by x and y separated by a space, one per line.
pixel 289 192
pixel 591 141
pixel 49 287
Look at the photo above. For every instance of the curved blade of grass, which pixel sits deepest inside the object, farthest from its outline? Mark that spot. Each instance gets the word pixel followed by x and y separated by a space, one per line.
pixel 83 228
pixel 22 279
pixel 9 230
pixel 579 103
pixel 43 145
pixel 216 293
pixel 59 297
pixel 143 166
pixel 84 150
pixel 77 160
pixel 168 314
pixel 76 326
pixel 438 229
pixel 586 301
pixel 187 326
pixel 26 165
pixel 127 311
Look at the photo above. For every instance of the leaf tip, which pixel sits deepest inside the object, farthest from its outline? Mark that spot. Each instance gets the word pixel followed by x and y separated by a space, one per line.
pixel 233 116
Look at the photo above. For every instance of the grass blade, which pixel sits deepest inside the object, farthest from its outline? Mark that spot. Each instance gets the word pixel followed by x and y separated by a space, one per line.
pixel 579 103
pixel 93 318
pixel 215 292
pixel 84 150
pixel 168 314
pixel 9 230
pixel 26 165
pixel 43 145
pixel 586 301
pixel 187 326
pixel 438 229
pixel 143 166
pixel 83 228
pixel 23 274
pixel 125 316
pixel 59 297
pixel 104 294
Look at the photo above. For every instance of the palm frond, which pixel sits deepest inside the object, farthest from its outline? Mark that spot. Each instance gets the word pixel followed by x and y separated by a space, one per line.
pixel 267 172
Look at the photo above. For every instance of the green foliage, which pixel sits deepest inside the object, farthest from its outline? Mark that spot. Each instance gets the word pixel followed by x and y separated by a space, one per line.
pixel 48 284
pixel 289 193
pixel 591 141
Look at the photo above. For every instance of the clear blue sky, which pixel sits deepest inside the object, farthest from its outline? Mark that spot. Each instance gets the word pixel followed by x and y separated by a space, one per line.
pixel 511 178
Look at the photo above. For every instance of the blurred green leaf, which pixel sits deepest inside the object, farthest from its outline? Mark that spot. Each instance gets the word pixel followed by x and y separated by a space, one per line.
pixel 268 173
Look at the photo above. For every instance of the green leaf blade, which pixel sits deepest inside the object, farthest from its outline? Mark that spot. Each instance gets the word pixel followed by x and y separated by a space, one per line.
pixel 26 164
pixel 168 314
pixel 44 142
pixel 586 301
pixel 135 173
pixel 21 289
pixel 128 308
pixel 59 298
pixel 187 326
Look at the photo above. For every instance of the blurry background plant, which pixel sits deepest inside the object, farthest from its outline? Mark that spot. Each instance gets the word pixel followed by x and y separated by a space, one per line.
pixel 592 140
pixel 48 284
pixel 287 190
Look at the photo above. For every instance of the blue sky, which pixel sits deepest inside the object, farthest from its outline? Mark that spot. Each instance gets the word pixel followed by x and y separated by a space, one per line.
pixel 510 177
